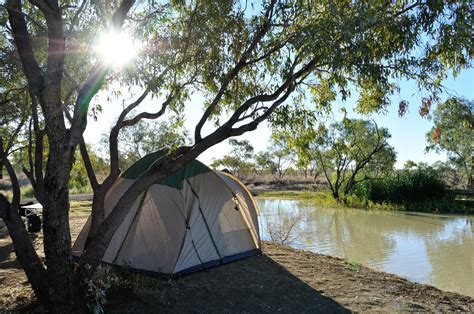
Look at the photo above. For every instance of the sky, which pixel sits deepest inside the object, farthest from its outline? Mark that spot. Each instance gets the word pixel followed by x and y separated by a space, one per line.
pixel 408 132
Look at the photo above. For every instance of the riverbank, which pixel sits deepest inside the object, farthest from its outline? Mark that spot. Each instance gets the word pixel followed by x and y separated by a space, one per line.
pixel 283 279
pixel 324 198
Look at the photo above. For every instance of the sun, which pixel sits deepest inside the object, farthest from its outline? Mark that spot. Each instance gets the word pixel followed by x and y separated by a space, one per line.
pixel 117 48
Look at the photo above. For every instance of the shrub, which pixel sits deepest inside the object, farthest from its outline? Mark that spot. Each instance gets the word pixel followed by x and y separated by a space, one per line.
pixel 416 190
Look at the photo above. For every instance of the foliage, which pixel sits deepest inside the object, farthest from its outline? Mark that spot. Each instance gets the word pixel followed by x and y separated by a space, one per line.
pixel 323 198
pixel 282 153
pixel 242 150
pixel 350 152
pixel 230 163
pixel 79 181
pixel 418 189
pixel 354 266
pixel 278 158
pixel 447 171
pixel 238 161
pixel 144 137
pixel 264 162
pixel 245 61
pixel 453 132
pixel 97 287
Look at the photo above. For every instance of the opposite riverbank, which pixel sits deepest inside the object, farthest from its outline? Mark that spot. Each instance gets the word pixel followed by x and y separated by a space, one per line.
pixel 323 197
pixel 283 279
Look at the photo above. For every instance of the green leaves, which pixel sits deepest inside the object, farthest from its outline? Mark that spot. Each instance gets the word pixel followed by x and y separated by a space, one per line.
pixel 453 132
pixel 146 137
pixel 238 160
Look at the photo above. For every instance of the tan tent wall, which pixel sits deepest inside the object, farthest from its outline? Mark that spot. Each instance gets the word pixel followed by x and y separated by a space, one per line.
pixel 246 202
pixel 230 234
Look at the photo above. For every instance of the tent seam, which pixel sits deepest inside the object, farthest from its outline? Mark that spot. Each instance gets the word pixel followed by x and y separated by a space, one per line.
pixel 204 218
pixel 131 225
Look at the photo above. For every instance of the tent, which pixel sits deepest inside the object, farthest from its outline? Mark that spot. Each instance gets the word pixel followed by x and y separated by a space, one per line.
pixel 192 220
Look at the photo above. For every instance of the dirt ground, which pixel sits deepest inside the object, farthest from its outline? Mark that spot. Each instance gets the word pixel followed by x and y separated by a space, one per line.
pixel 282 280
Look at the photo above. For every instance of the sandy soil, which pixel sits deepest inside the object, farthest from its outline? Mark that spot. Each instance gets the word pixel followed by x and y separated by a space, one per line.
pixel 283 280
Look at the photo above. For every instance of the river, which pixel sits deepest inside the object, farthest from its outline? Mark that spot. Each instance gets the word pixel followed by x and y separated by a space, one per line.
pixel 425 248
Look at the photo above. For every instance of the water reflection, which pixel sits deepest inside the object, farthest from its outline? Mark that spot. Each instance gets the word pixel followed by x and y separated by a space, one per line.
pixel 438 250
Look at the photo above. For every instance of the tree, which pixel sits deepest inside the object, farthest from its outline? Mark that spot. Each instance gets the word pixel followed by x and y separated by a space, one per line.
pixel 246 64
pixel 409 164
pixel 227 162
pixel 238 159
pixel 453 132
pixel 265 163
pixel 282 154
pixel 144 137
pixel 79 179
pixel 353 151
pixel 242 150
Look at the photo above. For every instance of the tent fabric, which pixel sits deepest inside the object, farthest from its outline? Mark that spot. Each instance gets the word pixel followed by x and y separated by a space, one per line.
pixel 194 219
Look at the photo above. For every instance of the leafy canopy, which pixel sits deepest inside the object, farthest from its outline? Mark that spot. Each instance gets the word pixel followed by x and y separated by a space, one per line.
pixel 453 132
pixel 349 152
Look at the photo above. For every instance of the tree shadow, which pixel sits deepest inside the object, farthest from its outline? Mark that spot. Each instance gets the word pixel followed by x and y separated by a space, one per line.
pixel 7 257
pixel 7 250
pixel 256 284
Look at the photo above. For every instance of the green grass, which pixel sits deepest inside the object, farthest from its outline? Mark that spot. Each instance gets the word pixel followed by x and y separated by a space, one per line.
pixel 323 198
pixel 80 207
pixel 354 266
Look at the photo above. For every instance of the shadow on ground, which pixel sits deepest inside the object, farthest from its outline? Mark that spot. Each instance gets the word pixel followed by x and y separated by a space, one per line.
pixel 256 284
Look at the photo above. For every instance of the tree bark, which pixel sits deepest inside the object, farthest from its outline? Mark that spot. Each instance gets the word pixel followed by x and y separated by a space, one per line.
pixel 58 287
pixel 98 211
pixel 24 250
pixel 67 295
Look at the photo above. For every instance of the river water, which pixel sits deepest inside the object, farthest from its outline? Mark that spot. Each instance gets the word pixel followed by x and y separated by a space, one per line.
pixel 425 248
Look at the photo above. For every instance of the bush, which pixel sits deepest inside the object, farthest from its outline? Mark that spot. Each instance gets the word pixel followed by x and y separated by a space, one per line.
pixel 415 190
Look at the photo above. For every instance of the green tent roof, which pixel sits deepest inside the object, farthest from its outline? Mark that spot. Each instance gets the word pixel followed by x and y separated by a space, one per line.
pixel 192 169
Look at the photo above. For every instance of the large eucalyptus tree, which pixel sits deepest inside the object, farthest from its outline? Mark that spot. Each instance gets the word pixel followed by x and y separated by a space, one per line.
pixel 246 60
pixel 453 132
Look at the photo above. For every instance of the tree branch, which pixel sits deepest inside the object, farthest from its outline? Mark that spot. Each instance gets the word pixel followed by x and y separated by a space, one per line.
pixel 26 253
pixel 30 18
pixel 24 47
pixel 88 165
pixel 78 13
pixel 93 83
pixel 56 49
pixel 241 63
pixel 113 141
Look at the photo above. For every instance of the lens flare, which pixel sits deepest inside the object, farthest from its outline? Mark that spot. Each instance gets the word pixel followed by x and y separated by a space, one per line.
pixel 117 48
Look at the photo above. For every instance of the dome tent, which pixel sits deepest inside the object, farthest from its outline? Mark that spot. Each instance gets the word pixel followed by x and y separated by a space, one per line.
pixel 191 220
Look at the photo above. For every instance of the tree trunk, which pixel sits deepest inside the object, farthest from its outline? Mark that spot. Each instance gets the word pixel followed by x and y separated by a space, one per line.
pixel 66 296
pixel 1 170
pixel 66 293
pixel 25 251
pixel 97 216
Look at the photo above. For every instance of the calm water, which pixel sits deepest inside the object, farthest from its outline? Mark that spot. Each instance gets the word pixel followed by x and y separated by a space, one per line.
pixel 432 249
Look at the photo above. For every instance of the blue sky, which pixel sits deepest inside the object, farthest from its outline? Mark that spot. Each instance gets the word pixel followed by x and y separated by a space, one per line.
pixel 408 132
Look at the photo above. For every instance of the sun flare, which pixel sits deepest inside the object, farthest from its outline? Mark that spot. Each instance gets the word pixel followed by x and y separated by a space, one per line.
pixel 117 48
